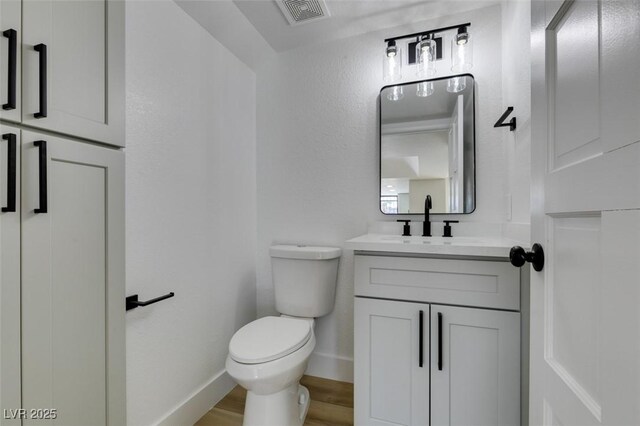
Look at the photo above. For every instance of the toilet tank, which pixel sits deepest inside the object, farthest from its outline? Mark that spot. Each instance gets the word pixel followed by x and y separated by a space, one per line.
pixel 304 279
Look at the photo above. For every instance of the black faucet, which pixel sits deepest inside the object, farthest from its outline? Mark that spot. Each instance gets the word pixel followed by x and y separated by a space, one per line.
pixel 426 225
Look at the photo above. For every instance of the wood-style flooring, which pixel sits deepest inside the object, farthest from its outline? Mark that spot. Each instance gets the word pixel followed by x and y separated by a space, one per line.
pixel 331 405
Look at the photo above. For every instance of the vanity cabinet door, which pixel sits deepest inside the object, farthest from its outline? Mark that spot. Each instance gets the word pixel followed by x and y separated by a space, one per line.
pixel 391 382
pixel 475 367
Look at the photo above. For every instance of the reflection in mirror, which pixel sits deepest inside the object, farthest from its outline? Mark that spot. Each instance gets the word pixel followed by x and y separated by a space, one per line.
pixel 427 146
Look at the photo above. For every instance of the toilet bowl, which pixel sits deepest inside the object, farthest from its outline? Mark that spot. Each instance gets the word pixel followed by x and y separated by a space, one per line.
pixel 271 376
pixel 269 356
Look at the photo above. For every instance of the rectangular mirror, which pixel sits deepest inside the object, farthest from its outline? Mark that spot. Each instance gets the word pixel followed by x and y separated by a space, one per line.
pixel 427 146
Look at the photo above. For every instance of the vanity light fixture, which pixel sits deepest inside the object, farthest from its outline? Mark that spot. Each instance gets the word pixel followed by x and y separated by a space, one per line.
pixel 428 50
pixel 392 62
pixel 461 51
pixel 426 56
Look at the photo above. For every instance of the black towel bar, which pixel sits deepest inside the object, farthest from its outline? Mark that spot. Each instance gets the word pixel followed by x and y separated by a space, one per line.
pixel 132 302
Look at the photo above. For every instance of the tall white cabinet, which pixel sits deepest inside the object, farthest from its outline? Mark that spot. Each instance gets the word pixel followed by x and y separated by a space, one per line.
pixel 419 359
pixel 62 288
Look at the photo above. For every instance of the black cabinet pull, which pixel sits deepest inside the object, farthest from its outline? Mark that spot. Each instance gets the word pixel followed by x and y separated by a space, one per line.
pixel 12 64
pixel 42 84
pixel 11 172
pixel 420 342
pixel 42 161
pixel 132 302
pixel 440 341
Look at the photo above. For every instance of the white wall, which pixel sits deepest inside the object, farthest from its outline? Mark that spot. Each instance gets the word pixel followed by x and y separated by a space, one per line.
pixel 191 211
pixel 317 153
pixel 516 92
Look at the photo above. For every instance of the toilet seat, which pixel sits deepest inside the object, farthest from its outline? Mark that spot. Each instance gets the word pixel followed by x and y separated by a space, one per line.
pixel 268 339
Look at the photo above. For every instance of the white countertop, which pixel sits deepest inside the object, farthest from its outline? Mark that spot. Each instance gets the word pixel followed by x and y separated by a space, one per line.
pixel 454 246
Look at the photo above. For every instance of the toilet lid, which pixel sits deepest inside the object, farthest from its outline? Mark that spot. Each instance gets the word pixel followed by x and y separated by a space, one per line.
pixel 269 338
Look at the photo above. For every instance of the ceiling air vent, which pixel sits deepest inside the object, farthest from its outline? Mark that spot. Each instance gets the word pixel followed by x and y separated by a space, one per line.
pixel 303 11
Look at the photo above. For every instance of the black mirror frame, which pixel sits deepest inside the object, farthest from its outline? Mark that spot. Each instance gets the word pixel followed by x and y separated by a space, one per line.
pixel 475 200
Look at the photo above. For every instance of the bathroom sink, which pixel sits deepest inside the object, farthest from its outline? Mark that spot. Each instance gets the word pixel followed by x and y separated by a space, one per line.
pixel 461 246
pixel 431 240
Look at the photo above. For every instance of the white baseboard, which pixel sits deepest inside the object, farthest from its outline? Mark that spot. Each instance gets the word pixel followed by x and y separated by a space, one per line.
pixel 330 367
pixel 200 401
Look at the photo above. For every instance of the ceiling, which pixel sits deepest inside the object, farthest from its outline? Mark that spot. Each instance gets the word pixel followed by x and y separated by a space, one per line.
pixel 348 18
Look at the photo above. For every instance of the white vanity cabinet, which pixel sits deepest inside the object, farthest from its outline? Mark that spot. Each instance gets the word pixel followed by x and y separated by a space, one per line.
pixel 405 312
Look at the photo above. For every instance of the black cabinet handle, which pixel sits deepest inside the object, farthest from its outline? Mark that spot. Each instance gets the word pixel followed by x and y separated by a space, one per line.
pixel 42 84
pixel 518 256
pixel 420 342
pixel 42 161
pixel 11 172
pixel 132 302
pixel 440 341
pixel 12 64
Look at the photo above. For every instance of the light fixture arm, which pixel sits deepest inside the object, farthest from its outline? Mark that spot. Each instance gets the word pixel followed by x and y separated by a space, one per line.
pixel 421 33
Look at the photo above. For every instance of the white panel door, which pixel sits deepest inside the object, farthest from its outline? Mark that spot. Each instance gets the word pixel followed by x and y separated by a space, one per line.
pixel 475 367
pixel 9 276
pixel 10 59
pixel 79 46
pixel 585 303
pixel 73 281
pixel 391 383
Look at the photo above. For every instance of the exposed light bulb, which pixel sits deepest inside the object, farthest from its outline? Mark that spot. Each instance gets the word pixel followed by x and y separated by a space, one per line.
pixel 461 51
pixel 462 37
pixel 426 56
pixel 392 63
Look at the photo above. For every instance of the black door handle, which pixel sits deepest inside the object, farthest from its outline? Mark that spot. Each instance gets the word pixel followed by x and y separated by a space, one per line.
pixel 42 162
pixel 11 172
pixel 12 64
pixel 42 84
pixel 420 341
pixel 518 256
pixel 440 341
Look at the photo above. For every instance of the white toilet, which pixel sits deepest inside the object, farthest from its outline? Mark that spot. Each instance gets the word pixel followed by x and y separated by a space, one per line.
pixel 268 356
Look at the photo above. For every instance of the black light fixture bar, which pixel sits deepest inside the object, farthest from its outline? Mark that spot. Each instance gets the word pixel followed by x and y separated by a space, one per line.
pixel 437 30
